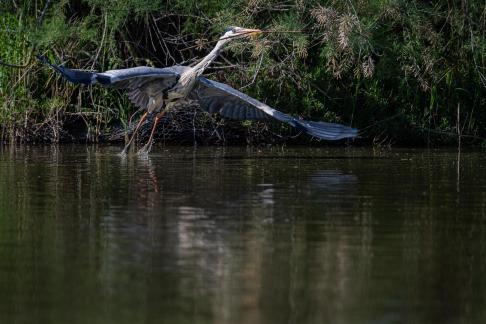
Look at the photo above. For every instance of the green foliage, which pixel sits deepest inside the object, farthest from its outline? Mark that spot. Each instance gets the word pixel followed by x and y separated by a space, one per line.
pixel 404 66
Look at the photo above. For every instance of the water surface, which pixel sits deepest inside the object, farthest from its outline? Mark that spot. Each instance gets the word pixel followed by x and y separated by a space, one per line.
pixel 238 235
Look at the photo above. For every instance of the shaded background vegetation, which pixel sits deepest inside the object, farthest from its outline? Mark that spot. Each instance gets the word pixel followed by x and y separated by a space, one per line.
pixel 407 72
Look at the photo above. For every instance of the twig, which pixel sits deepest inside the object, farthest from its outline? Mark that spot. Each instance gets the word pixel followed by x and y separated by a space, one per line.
pixel 41 17
pixel 255 74
pixel 13 65
pixel 451 134
pixel 283 31
pixel 101 44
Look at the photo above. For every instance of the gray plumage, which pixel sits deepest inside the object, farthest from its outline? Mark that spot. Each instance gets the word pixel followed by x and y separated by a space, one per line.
pixel 156 90
pixel 216 97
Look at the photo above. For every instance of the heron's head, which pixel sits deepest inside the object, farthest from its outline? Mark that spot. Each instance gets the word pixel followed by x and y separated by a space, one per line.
pixel 238 32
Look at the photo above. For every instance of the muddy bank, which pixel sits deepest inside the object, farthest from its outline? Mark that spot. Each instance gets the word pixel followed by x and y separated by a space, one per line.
pixel 190 125
pixel 183 127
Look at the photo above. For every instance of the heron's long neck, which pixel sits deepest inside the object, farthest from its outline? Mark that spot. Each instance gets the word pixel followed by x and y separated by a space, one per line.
pixel 201 66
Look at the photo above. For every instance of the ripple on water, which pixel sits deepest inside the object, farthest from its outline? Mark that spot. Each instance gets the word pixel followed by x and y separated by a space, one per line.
pixel 304 235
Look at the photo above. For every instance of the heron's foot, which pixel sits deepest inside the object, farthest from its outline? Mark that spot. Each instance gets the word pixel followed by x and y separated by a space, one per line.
pixel 124 153
pixel 144 151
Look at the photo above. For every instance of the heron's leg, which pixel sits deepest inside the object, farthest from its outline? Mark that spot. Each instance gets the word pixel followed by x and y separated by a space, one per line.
pixel 148 146
pixel 142 119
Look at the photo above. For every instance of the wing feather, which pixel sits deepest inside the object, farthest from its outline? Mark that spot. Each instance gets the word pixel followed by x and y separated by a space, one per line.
pixel 216 97
pixel 146 85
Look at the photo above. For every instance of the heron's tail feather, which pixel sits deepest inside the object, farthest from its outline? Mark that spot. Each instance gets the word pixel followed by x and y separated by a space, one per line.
pixel 326 131
pixel 74 76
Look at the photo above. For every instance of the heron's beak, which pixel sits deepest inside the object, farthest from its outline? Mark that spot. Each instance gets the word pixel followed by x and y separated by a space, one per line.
pixel 246 32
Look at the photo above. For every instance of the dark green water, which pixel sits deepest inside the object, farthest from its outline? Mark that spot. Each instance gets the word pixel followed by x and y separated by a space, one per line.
pixel 240 235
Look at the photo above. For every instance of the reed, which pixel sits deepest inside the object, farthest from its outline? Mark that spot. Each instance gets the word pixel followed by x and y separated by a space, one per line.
pixel 403 66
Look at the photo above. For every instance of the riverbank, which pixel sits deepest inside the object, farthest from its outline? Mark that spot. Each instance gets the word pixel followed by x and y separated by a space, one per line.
pixel 190 125
pixel 185 126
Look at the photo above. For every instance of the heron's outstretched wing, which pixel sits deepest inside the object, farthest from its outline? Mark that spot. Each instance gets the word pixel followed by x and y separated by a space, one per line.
pixel 216 97
pixel 146 85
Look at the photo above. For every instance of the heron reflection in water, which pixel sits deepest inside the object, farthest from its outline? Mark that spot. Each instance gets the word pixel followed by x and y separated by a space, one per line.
pixel 158 90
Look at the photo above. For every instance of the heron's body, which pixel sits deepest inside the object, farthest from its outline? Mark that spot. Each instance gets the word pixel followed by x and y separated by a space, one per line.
pixel 157 90
pixel 184 85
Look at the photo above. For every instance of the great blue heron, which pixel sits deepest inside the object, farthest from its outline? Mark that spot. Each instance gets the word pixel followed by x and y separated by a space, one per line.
pixel 157 90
